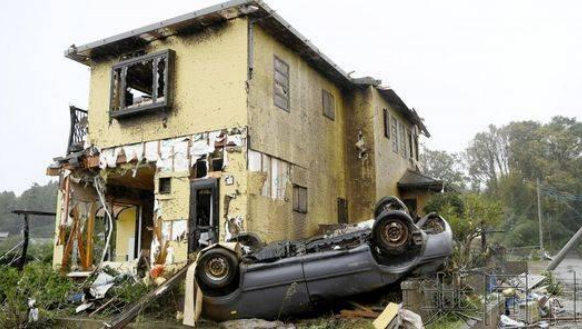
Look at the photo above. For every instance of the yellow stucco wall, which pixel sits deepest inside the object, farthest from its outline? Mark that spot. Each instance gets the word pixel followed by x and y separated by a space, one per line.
pixel 390 166
pixel 422 197
pixel 304 137
pixel 125 230
pixel 361 180
pixel 176 205
pixel 209 89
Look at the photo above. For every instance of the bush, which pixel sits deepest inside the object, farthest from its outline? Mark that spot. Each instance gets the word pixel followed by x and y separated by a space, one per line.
pixel 37 281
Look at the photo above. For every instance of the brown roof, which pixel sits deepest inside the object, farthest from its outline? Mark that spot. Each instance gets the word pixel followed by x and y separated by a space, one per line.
pixel 414 181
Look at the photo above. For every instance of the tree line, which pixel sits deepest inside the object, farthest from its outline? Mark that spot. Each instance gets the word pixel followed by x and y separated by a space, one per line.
pixel 37 197
pixel 502 165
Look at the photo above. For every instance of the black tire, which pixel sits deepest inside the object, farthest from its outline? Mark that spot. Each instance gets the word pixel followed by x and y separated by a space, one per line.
pixel 392 232
pixel 217 268
pixel 389 203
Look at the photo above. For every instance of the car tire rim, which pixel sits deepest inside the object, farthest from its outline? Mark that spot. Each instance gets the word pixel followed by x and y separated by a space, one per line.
pixel 217 268
pixel 395 234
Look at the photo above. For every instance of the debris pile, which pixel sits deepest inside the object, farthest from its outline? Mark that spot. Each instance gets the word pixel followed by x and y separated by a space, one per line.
pixel 112 292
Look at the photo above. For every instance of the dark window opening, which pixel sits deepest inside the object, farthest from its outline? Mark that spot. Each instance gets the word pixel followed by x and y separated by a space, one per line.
pixel 300 199
pixel 281 82
pixel 342 211
pixel 386 123
pixel 328 104
pixel 217 158
pixel 140 84
pixel 204 207
pixel 165 185
pixel 203 222
pixel 217 164
pixel 201 168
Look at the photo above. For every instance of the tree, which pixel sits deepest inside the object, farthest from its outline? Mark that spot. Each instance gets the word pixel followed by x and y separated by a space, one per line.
pixel 468 214
pixel 505 163
pixel 37 197
pixel 487 158
pixel 444 166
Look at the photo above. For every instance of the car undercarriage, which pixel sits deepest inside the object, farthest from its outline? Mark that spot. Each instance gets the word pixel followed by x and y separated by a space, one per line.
pixel 287 278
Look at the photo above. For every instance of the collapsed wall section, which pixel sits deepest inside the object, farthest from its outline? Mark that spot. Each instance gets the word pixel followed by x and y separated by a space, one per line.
pixel 146 189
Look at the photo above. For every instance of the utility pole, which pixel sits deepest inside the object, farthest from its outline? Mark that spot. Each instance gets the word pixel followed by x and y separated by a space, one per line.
pixel 540 220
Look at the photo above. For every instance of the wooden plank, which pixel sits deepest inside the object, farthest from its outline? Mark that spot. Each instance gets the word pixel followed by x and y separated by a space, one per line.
pixel 133 310
pixel 90 230
pixel 360 306
pixel 102 307
pixel 69 245
pixel 386 319
pixel 352 314
pixel 65 213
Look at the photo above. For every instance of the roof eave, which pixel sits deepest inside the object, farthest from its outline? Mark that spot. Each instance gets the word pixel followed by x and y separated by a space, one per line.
pixel 226 11
pixel 75 53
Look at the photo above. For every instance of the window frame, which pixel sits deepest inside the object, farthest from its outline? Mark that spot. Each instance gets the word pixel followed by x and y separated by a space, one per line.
pixel 328 112
pixel 277 59
pixel 164 185
pixel 386 118
pixel 396 135
pixel 403 141
pixel 121 111
pixel 409 143
pixel 296 202
pixel 416 147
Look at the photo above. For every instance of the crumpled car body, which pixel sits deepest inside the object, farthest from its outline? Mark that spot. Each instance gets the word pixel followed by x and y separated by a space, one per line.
pixel 290 278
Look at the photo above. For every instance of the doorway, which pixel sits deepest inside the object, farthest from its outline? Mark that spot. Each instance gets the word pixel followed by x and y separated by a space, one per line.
pixel 204 214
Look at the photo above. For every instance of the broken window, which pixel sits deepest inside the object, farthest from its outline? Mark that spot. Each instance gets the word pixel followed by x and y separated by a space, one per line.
pixel 276 170
pixel 201 168
pixel 386 123
pixel 281 94
pixel 328 104
pixel 395 132
pixel 140 84
pixel 300 199
pixel 165 185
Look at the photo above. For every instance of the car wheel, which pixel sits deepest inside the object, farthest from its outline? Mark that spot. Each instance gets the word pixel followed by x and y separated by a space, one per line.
pixel 217 268
pixel 389 203
pixel 392 232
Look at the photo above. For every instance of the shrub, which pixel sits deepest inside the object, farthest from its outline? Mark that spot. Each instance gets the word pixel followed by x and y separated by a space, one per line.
pixel 37 281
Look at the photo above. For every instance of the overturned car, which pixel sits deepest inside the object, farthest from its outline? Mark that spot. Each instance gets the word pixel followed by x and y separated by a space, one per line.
pixel 293 277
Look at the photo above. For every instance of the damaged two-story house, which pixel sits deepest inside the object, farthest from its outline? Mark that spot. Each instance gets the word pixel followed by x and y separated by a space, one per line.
pixel 219 122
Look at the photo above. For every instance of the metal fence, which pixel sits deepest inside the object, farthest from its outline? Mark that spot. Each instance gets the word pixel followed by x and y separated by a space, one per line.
pixel 525 298
pixel 531 298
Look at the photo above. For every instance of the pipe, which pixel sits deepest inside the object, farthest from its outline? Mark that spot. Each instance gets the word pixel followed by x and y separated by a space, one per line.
pixel 109 217
pixel 574 241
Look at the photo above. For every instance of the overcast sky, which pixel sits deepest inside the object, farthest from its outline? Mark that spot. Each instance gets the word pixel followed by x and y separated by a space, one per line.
pixel 462 64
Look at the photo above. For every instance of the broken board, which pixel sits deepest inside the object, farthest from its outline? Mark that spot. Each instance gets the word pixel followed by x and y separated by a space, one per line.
pixel 388 319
